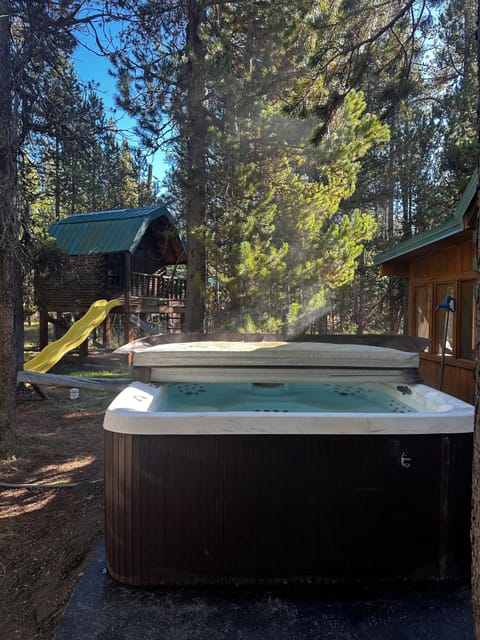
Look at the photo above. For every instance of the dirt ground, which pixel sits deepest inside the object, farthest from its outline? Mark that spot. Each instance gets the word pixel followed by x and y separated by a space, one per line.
pixel 47 535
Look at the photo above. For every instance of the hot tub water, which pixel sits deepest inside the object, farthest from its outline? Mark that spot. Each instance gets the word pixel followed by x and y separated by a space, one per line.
pixel 284 398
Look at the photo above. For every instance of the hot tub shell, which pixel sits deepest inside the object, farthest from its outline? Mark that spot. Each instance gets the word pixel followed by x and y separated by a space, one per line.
pixel 220 498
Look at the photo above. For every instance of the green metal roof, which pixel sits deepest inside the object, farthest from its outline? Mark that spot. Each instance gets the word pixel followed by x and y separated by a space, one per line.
pixel 105 231
pixel 445 230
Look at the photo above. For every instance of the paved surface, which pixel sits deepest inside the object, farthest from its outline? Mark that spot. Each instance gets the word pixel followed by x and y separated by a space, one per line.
pixel 102 609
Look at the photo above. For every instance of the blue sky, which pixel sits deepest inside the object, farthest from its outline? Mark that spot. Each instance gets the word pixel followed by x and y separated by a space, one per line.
pixel 93 67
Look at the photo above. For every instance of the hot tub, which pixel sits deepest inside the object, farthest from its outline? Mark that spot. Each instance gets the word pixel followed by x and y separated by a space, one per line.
pixel 272 463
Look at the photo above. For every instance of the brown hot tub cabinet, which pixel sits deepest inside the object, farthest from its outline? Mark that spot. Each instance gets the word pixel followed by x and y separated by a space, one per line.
pixel 220 499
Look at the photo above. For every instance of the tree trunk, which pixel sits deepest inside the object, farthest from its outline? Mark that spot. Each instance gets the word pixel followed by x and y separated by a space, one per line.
pixel 195 169
pixel 475 527
pixel 8 229
pixel 57 174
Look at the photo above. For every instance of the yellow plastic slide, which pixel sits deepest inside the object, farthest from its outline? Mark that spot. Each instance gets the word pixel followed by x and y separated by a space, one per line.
pixel 78 332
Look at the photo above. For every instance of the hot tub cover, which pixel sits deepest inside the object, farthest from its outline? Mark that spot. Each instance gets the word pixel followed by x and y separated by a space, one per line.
pixel 274 354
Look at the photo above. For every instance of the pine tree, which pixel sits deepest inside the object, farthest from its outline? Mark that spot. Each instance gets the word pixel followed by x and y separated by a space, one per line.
pixel 457 82
pixel 161 70
pixel 33 36
pixel 386 50
pixel 35 39
pixel 9 249
pixel 295 243
pixel 245 59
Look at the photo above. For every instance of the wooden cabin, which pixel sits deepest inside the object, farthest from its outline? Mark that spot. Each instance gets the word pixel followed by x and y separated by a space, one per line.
pixel 128 254
pixel 438 263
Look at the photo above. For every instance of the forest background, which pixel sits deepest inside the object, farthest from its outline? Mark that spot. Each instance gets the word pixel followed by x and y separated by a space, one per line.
pixel 325 132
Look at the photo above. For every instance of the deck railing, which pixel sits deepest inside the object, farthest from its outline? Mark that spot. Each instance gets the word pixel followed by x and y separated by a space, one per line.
pixel 147 285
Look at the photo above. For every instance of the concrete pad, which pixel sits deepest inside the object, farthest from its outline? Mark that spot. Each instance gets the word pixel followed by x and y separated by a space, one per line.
pixel 102 609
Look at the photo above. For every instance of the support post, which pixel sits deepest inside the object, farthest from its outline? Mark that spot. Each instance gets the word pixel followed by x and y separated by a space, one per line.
pixel 83 349
pixel 127 326
pixel 43 329
pixel 107 331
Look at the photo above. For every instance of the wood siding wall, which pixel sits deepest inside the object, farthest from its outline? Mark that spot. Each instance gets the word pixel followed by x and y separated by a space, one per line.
pixel 458 379
pixel 76 287
pixel 450 260
pixel 148 258
pixel 85 279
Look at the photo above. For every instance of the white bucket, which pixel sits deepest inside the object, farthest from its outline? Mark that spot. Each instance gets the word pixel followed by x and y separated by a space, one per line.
pixel 74 393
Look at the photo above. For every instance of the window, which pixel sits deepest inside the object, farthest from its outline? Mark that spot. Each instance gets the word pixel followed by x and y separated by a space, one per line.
pixel 444 321
pixel 459 334
pixel 114 268
pixel 423 311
